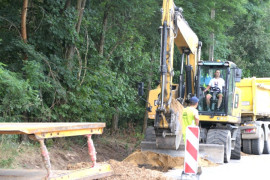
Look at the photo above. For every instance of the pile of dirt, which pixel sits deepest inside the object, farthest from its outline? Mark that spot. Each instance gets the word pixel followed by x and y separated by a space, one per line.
pixel 125 170
pixel 80 165
pixel 162 162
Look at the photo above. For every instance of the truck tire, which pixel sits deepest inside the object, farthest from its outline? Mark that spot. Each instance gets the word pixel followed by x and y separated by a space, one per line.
pixel 236 153
pixel 266 149
pixel 150 134
pixel 247 146
pixel 221 136
pixel 258 144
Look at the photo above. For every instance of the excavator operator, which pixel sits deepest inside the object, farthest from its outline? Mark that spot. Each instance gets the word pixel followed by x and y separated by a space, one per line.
pixel 216 84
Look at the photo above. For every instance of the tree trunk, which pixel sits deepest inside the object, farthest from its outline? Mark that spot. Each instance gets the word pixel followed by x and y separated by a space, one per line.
pixel 67 5
pixel 212 38
pixel 148 89
pixel 24 137
pixel 115 121
pixel 104 25
pixel 80 9
pixel 23 19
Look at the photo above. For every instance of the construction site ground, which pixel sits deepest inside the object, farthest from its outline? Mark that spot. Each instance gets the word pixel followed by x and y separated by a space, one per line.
pixel 122 152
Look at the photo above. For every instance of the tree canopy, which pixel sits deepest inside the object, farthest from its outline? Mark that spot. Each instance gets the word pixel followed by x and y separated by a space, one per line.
pixel 81 60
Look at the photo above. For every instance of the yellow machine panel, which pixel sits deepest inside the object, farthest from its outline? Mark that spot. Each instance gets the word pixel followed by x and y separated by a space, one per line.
pixel 153 96
pixel 227 119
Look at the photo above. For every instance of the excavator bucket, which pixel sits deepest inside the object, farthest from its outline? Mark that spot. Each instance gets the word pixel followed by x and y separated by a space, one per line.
pixel 211 152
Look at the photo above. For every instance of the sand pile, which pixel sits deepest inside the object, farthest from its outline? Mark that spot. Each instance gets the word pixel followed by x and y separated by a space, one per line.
pixel 125 170
pixel 143 165
pixel 80 165
pixel 162 161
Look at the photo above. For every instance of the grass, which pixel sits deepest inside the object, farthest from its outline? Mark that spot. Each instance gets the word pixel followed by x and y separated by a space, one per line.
pixel 8 151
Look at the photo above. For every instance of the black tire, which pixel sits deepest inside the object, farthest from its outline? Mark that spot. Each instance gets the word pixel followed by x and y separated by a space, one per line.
pixel 247 146
pixel 236 153
pixel 221 136
pixel 266 149
pixel 258 144
pixel 150 134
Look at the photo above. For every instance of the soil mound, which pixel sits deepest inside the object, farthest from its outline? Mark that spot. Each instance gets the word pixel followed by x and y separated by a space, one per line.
pixel 162 161
pixel 125 170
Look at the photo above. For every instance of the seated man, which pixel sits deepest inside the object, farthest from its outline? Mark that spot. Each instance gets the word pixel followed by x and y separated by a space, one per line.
pixel 217 82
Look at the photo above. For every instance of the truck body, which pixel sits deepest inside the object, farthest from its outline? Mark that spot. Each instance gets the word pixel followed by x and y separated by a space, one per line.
pixel 255 115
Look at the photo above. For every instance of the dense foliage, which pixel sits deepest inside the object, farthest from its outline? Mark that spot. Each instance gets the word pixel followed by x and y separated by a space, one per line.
pixel 83 59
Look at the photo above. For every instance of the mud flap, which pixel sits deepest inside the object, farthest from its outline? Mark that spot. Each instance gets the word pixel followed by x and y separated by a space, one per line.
pixel 211 152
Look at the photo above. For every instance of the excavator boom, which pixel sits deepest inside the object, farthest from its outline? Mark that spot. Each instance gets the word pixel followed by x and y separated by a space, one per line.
pixel 175 30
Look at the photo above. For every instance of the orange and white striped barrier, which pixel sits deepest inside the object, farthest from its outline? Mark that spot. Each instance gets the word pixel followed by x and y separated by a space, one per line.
pixel 192 150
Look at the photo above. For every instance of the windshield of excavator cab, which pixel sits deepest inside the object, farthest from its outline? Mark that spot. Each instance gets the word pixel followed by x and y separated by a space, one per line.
pixel 212 100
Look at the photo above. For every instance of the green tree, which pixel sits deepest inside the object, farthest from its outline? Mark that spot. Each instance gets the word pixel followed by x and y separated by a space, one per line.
pixel 250 47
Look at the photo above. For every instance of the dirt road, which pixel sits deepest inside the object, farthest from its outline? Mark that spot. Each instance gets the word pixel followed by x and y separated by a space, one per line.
pixel 248 168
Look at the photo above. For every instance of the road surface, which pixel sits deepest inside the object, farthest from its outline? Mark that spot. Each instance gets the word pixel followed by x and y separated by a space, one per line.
pixel 250 167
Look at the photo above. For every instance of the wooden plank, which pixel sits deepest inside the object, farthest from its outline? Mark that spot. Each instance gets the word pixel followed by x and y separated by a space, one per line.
pixel 34 128
pixel 99 171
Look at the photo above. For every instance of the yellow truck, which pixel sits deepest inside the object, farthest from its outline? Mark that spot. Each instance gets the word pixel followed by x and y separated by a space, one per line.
pixel 255 115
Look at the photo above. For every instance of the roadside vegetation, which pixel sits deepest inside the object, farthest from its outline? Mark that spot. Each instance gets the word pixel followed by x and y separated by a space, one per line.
pixel 80 61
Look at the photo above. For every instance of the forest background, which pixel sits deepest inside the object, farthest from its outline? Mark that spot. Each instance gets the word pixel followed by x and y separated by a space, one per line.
pixel 80 61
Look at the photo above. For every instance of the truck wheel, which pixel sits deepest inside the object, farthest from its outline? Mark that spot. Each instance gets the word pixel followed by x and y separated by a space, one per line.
pixel 221 136
pixel 257 144
pixel 266 149
pixel 236 153
pixel 247 146
pixel 150 134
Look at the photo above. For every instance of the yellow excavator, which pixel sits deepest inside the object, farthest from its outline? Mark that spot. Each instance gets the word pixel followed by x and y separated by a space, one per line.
pixel 168 99
pixel 175 30
pixel 164 100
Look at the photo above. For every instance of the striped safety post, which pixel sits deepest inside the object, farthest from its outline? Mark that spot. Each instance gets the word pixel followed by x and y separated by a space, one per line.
pixel 192 150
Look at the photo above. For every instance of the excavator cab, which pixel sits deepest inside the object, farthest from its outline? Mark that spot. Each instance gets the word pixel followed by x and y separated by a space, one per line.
pixel 230 95
pixel 206 71
pixel 215 92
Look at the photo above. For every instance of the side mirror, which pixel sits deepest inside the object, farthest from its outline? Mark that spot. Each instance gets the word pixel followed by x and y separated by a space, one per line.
pixel 238 75
pixel 140 88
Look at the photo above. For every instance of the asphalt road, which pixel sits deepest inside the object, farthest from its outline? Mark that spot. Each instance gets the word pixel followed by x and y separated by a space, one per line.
pixel 250 167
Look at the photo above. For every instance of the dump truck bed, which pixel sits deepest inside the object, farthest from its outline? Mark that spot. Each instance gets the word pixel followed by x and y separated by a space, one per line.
pixel 255 93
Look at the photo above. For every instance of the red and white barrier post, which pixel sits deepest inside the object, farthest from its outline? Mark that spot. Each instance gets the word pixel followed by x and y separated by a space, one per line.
pixel 191 151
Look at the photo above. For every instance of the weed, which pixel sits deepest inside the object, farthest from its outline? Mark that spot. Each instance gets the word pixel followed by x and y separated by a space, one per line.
pixel 49 143
pixel 6 163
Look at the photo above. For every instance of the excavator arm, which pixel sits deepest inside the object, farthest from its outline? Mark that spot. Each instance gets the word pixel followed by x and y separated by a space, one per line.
pixel 174 30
